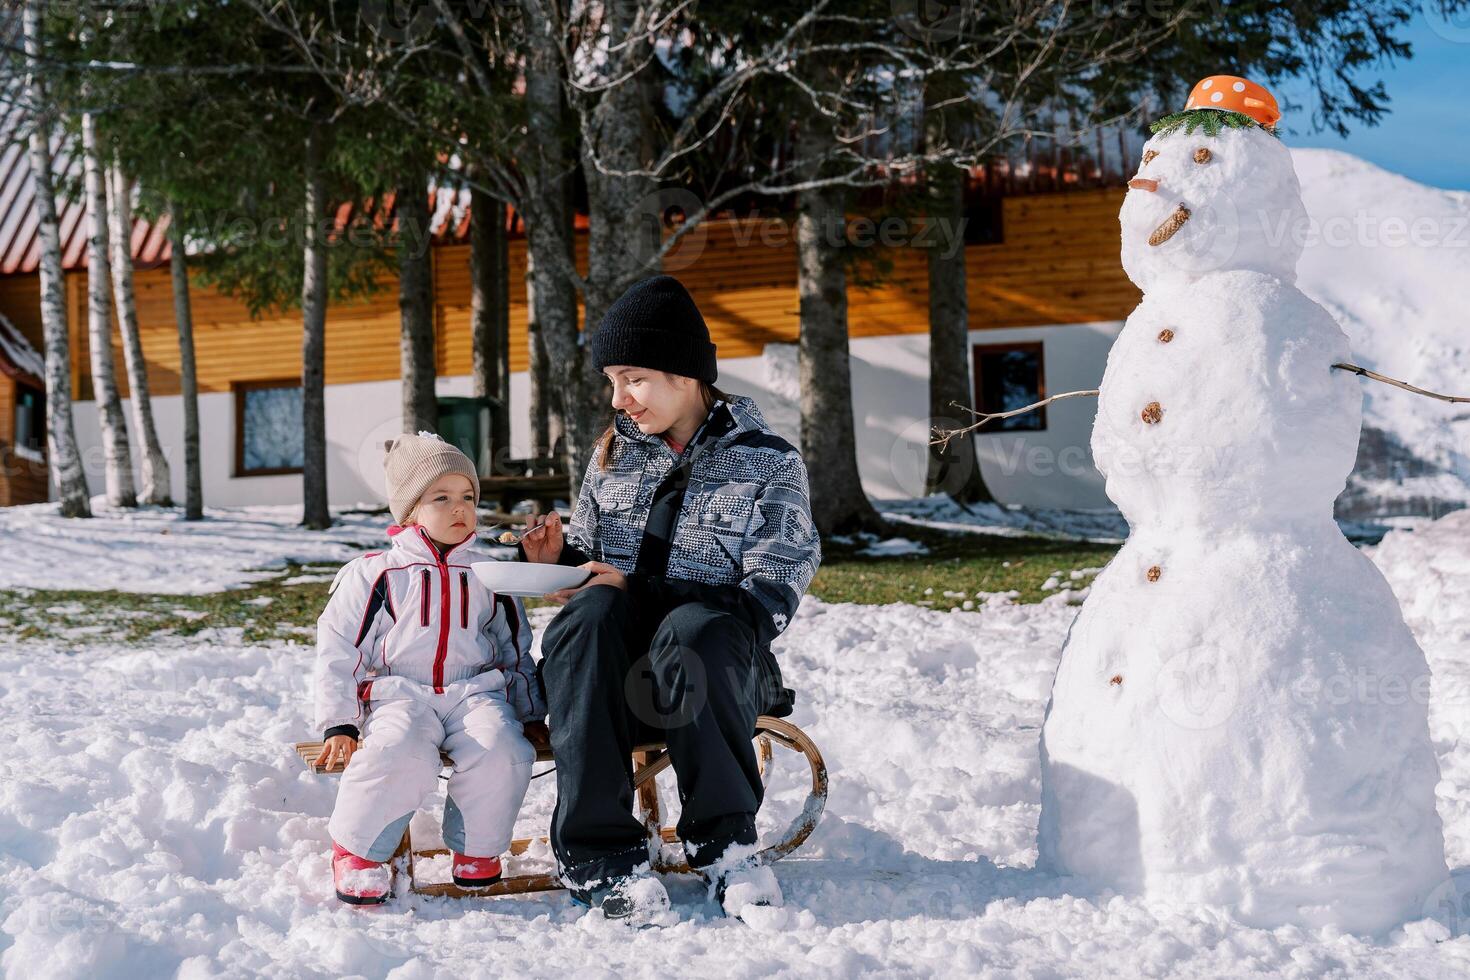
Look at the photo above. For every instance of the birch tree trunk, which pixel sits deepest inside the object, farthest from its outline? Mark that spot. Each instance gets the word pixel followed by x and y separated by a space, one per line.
pixel 154 472
pixel 315 512
pixel 416 307
pixel 63 460
pixel 99 327
pixel 828 441
pixel 188 378
pixel 490 319
pixel 548 160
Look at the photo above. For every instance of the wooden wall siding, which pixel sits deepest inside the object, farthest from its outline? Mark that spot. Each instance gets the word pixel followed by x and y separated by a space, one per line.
pixel 1058 264
pixel 20 300
pixel 22 481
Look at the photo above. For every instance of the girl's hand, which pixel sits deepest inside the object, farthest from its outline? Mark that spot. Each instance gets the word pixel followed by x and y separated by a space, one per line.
pixel 537 734
pixel 543 538
pixel 337 748
pixel 604 574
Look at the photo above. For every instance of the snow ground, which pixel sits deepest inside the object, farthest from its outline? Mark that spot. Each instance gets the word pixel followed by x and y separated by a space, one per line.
pixel 156 550
pixel 155 822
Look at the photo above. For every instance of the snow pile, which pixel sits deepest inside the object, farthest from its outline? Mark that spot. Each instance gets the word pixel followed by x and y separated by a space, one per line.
pixel 1429 569
pixel 1388 258
pixel 156 550
pixel 1231 723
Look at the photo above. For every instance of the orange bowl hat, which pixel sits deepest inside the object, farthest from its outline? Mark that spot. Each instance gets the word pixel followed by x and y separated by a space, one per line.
pixel 1236 95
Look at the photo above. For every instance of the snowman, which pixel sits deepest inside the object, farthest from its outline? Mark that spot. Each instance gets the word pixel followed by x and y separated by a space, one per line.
pixel 1240 713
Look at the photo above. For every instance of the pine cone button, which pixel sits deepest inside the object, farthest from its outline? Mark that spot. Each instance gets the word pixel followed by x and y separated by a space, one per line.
pixel 1117 680
pixel 1154 572
pixel 1165 336
pixel 1152 413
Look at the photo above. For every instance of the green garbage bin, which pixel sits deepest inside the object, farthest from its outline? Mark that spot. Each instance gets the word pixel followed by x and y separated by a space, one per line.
pixel 465 422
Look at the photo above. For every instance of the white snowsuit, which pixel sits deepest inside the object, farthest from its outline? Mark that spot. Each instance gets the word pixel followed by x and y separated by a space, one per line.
pixel 418 655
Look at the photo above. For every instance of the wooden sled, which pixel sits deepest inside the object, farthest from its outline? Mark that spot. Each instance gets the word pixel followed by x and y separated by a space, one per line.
pixel 648 762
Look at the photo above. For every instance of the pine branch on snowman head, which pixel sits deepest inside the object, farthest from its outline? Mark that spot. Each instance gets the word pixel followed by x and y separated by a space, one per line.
pixel 1212 121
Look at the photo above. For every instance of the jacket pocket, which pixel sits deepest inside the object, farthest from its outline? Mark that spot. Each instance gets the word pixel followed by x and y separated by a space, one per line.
pixel 723 518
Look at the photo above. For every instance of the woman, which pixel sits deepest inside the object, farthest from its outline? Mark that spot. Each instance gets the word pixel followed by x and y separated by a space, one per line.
pixel 694 520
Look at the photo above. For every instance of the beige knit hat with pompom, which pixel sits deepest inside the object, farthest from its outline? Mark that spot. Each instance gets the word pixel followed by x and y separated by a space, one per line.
pixel 414 462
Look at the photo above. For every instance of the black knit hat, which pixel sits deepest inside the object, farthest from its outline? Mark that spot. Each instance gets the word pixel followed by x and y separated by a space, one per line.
pixel 656 325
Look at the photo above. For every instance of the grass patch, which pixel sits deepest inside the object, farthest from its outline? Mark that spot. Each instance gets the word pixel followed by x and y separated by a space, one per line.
pixel 263 611
pixel 956 568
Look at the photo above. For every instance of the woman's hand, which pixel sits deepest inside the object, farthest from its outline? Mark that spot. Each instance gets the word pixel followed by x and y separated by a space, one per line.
pixel 537 734
pixel 543 538
pixel 603 574
pixel 338 748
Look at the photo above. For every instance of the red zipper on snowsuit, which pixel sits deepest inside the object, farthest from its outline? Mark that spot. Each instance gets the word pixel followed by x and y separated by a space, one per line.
pixel 442 650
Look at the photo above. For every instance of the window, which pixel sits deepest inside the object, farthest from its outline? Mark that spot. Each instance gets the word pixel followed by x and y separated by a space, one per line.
pixel 984 220
pixel 268 428
pixel 1009 376
pixel 30 423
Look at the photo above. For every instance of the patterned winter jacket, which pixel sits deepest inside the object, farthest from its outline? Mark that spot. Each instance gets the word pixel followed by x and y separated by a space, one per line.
pixel 743 539
pixel 410 623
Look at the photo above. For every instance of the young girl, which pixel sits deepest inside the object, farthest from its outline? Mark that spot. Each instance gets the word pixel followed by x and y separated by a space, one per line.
pixel 415 655
pixel 695 522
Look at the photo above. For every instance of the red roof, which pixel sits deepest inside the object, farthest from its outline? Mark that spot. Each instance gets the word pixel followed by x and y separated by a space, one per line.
pixel 20 244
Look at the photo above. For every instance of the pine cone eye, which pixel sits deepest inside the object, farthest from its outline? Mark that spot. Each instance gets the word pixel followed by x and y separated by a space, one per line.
pixel 1202 155
pixel 1149 155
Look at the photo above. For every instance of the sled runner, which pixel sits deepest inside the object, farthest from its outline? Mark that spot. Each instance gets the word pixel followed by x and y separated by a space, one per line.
pixel 648 762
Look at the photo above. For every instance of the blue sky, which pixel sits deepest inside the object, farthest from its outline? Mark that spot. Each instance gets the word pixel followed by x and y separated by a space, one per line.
pixel 1426 133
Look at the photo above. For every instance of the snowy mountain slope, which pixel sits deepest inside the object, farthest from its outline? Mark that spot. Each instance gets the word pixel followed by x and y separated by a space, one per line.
pixel 1390 259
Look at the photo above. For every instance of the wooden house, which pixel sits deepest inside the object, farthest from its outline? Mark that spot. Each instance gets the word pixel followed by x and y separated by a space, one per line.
pixel 1046 292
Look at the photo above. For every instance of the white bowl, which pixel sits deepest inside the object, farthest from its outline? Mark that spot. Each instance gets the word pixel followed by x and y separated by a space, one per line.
pixel 524 578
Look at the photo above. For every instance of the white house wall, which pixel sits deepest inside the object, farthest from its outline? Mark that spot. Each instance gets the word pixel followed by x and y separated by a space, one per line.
pixel 1052 468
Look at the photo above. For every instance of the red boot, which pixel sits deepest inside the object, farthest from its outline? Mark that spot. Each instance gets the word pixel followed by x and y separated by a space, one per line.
pixel 471 872
pixel 358 880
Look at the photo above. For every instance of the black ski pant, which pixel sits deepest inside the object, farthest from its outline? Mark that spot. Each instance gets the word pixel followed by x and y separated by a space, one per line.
pixel 614 680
